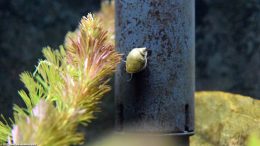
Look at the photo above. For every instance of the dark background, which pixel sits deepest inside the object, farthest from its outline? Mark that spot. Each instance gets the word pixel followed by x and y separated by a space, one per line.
pixel 227 45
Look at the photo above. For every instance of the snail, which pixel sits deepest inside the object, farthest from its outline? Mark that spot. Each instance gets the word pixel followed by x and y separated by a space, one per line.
pixel 136 60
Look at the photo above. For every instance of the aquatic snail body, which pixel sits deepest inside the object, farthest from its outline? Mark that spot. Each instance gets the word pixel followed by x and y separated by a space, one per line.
pixel 136 60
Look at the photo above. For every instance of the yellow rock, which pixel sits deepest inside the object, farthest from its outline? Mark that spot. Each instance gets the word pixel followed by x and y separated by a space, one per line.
pixel 224 119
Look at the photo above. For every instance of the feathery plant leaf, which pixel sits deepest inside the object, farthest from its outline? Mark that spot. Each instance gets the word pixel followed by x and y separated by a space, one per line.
pixel 46 126
pixel 65 89
pixel 5 130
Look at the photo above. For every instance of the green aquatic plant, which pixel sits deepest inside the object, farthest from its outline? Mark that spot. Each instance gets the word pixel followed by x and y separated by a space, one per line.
pixel 65 89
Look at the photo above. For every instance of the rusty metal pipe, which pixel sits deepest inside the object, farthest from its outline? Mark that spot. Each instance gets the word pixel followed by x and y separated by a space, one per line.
pixel 159 99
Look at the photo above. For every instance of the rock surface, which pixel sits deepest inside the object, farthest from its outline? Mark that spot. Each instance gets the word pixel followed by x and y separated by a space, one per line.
pixel 224 119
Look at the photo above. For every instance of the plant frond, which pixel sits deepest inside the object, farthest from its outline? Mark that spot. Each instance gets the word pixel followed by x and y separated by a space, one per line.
pixel 26 99
pixel 46 127
pixel 5 130
pixel 54 57
pixel 49 77
pixel 91 53
pixel 18 111
pixel 65 88
pixel 35 90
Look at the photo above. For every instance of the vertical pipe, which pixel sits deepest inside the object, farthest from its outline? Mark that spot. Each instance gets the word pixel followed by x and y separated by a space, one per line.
pixel 160 99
